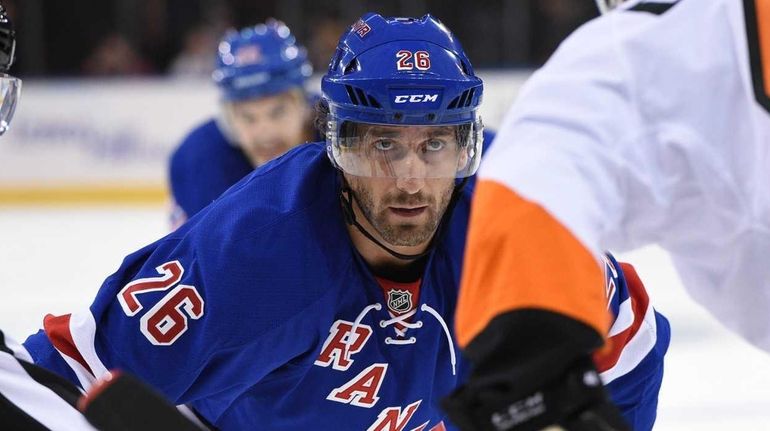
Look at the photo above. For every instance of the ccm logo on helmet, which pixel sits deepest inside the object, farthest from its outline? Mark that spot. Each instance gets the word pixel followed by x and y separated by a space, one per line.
pixel 415 98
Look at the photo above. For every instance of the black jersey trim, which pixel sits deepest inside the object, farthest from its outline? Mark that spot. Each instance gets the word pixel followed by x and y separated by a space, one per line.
pixel 3 346
pixel 58 385
pixel 755 54
pixel 15 418
pixel 652 7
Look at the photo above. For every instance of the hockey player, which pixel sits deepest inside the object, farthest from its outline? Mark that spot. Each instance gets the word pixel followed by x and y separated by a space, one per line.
pixel 650 124
pixel 318 292
pixel 265 111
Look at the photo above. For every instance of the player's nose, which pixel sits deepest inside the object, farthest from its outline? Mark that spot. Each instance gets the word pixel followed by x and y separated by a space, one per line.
pixel 411 179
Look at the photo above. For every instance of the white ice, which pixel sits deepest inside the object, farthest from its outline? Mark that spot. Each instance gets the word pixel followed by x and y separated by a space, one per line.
pixel 53 260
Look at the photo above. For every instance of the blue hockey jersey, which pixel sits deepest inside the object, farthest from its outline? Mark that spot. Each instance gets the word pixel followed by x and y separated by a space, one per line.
pixel 631 363
pixel 204 165
pixel 260 314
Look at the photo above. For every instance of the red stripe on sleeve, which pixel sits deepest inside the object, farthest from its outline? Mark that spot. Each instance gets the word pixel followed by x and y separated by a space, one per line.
pixel 607 357
pixel 57 328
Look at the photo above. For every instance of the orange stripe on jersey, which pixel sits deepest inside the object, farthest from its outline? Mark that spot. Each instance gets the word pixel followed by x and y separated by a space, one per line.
pixel 757 14
pixel 763 30
pixel 519 256
pixel 57 328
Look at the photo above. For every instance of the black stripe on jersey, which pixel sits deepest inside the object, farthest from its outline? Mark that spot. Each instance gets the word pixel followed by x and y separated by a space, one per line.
pixel 59 385
pixel 755 53
pixel 3 346
pixel 14 418
pixel 652 7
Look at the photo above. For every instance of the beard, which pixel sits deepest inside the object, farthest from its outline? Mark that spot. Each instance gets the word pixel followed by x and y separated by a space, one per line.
pixel 403 233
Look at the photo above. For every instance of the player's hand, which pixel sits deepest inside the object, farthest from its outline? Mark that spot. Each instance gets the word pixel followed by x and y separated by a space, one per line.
pixel 574 401
pixel 532 369
pixel 120 402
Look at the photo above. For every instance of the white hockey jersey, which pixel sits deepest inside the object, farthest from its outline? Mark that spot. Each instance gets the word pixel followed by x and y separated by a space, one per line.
pixel 650 124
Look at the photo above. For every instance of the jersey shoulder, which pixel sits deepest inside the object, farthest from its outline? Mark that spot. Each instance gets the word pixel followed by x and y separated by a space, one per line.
pixel 275 193
pixel 279 228
pixel 201 139
pixel 203 166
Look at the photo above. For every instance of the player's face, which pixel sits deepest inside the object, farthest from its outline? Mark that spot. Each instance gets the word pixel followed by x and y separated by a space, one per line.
pixel 405 210
pixel 269 126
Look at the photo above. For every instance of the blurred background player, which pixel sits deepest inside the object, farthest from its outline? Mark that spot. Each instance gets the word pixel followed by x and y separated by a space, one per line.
pixel 304 297
pixel 652 143
pixel 265 111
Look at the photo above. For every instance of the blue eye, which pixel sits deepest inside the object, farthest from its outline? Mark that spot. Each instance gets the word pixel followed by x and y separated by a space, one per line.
pixel 383 144
pixel 435 145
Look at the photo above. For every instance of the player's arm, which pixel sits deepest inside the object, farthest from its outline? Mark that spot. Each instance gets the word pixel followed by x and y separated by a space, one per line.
pixel 185 315
pixel 631 362
pixel 149 318
pixel 552 192
pixel 32 397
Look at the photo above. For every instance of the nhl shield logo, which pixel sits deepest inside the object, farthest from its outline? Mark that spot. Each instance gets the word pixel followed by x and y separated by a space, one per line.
pixel 399 301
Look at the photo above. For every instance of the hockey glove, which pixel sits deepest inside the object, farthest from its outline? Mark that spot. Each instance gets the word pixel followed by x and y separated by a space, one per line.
pixel 532 370
pixel 123 403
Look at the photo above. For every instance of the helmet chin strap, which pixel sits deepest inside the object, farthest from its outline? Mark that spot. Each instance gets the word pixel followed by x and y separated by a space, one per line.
pixel 347 197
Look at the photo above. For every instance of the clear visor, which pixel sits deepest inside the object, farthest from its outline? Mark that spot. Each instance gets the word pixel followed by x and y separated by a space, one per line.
pixel 375 150
pixel 10 90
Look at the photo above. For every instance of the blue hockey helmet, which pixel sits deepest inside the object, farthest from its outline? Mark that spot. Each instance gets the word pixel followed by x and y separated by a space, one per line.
pixel 401 72
pixel 260 61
